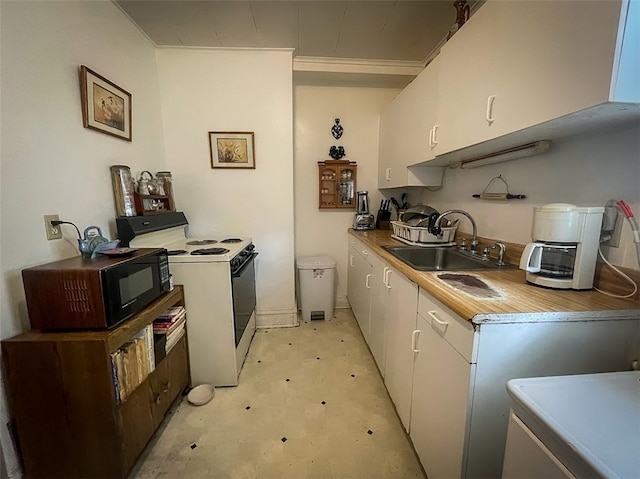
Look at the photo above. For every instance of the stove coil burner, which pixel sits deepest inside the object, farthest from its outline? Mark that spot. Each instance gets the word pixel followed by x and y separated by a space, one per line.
pixel 231 240
pixel 210 251
pixel 175 252
pixel 201 242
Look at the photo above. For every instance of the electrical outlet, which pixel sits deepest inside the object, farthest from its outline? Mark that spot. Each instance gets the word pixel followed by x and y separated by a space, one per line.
pixel 614 242
pixel 53 232
pixel 609 220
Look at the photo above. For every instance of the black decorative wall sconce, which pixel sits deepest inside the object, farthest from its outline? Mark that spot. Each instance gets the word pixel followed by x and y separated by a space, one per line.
pixel 337 130
pixel 336 152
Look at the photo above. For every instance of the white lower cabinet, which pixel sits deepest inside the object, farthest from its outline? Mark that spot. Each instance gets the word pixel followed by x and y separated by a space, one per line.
pixel 402 303
pixel 378 315
pixel 447 376
pixel 441 379
pixel 359 285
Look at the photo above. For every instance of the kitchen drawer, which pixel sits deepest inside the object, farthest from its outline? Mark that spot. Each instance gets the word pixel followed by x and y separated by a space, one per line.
pixel 455 330
pixel 361 248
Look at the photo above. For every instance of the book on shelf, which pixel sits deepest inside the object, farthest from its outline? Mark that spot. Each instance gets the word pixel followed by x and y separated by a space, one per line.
pixel 173 340
pixel 148 335
pixel 116 380
pixel 132 362
pixel 171 315
pixel 175 332
pixel 168 328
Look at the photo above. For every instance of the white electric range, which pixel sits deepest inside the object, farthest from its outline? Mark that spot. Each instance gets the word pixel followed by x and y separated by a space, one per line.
pixel 218 275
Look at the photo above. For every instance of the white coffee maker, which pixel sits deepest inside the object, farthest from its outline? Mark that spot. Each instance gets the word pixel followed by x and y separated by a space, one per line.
pixel 565 246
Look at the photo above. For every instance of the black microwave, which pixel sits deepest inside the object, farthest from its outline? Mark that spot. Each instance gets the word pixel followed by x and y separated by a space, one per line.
pixel 82 293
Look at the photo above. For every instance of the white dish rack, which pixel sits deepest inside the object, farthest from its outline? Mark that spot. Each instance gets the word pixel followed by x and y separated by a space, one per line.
pixel 418 236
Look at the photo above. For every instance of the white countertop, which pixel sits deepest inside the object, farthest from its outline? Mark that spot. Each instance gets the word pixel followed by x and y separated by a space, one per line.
pixel 591 422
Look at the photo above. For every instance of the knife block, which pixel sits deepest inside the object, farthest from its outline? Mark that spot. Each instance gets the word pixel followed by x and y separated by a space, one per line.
pixel 383 219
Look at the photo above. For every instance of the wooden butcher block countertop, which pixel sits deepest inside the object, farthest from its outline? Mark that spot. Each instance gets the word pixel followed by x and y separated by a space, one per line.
pixel 505 295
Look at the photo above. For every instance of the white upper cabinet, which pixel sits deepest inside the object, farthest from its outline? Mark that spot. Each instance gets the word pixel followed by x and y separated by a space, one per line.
pixel 464 85
pixel 553 59
pixel 626 73
pixel 521 63
pixel 517 70
pixel 405 133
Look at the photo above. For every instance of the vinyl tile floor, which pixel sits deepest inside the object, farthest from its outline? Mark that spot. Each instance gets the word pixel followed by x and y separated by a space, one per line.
pixel 310 404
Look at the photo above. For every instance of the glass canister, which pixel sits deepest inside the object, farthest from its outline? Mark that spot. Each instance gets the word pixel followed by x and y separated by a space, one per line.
pixel 123 190
pixel 165 179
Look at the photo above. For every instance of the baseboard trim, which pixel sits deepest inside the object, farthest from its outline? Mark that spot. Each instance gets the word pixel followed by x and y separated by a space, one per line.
pixel 342 302
pixel 276 319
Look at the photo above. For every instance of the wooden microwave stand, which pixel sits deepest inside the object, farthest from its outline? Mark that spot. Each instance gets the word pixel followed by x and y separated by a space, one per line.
pixel 61 397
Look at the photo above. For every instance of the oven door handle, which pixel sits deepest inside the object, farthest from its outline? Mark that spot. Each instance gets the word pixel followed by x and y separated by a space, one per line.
pixel 238 273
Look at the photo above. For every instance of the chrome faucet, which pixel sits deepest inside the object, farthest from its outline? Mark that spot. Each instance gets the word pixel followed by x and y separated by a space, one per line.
pixel 473 249
pixel 501 249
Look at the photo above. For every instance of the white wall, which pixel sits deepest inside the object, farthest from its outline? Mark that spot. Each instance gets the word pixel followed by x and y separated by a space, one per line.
pixel 206 90
pixel 324 232
pixel 50 162
pixel 586 170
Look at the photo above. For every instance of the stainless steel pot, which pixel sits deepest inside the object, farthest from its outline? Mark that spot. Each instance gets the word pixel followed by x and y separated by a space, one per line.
pixel 421 216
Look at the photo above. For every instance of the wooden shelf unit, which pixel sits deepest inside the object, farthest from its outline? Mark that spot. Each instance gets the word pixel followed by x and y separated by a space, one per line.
pixel 66 419
pixel 144 204
pixel 337 184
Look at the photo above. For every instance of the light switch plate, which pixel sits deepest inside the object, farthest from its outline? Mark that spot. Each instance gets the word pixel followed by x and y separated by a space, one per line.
pixel 53 232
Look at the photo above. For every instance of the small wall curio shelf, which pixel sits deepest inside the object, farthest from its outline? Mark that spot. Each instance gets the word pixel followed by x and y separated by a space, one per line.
pixel 337 184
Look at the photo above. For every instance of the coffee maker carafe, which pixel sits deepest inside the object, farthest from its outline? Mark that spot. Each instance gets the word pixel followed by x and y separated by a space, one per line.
pixel 363 220
pixel 564 248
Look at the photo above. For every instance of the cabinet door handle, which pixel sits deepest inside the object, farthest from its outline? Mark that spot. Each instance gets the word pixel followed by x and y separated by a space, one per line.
pixel 386 278
pixel 414 341
pixel 435 132
pixel 156 398
pixel 351 260
pixel 387 174
pixel 165 387
pixel 365 252
pixel 366 281
pixel 438 321
pixel 431 138
pixel 489 114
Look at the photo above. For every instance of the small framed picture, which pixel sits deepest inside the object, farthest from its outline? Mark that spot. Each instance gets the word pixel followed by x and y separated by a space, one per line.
pixel 231 149
pixel 105 106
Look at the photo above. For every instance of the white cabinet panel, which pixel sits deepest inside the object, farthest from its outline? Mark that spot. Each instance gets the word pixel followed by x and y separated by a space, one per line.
pixel 526 349
pixel 452 328
pixel 402 304
pixel 359 285
pixel 465 83
pixel 406 132
pixel 379 301
pixel 441 381
pixel 551 60
pixel 518 64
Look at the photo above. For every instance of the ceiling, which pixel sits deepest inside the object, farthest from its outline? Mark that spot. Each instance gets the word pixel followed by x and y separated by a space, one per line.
pixel 349 38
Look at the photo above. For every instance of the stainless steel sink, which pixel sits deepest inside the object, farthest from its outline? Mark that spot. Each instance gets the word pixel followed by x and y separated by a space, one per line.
pixel 440 259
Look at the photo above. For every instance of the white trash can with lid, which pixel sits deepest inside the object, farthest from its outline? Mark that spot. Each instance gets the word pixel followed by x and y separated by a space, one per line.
pixel 317 286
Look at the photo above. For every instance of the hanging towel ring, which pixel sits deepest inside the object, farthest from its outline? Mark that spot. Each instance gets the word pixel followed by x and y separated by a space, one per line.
pixel 498 196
